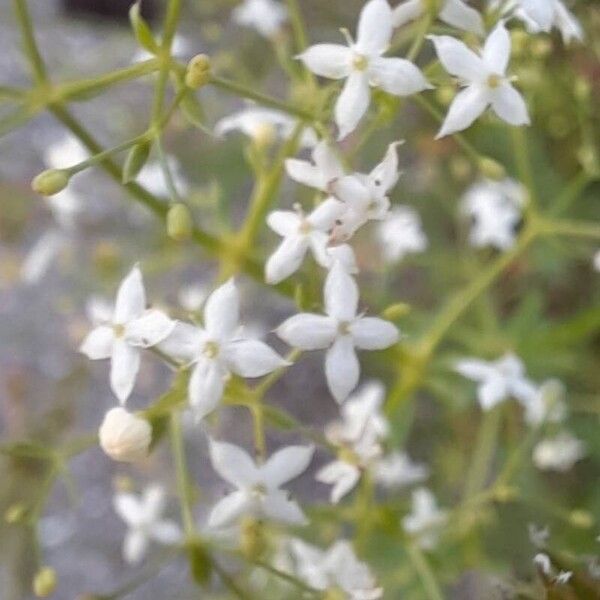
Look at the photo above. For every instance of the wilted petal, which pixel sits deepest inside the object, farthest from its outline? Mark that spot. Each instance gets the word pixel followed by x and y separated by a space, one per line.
pixel 308 331
pixel 286 464
pixel 457 59
pixel 278 507
pixel 340 294
pixel 98 343
pixel 374 29
pixel 496 51
pixel 343 476
pixel 406 12
pixel 134 546
pixel 465 108
pixel 150 329
pixel 131 297
pixel 328 60
pixel 229 509
pixel 397 76
pixel 205 387
pixel 125 364
pixel 252 358
pixel 284 222
pixel 342 368
pixel 509 105
pixel 385 175
pixel 371 333
pixel 286 259
pixel 462 16
pixel 222 311
pixel 352 103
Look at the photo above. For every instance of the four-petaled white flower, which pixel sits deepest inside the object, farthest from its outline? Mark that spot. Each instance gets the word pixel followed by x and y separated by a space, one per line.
pixel 499 380
pixel 266 16
pixel 401 233
pixel 143 515
pixel 340 330
pixel 425 519
pixel 453 12
pixel 362 65
pixel 397 470
pixel 336 569
pixel 121 337
pixel 365 196
pixel 485 78
pixel 559 453
pixel 258 492
pixel 218 349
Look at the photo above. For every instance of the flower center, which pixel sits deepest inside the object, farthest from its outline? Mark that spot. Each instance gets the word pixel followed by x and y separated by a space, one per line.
pixel 347 455
pixel 258 491
pixel 305 227
pixel 494 81
pixel 211 349
pixel 119 330
pixel 344 327
pixel 360 62
pixel 335 593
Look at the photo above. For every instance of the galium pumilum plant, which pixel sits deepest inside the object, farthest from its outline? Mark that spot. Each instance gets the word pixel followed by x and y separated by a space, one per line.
pixel 458 65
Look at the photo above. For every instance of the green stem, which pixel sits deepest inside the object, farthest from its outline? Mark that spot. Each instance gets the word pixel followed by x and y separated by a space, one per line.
pixel 286 577
pixel 166 170
pixel 32 52
pixel 572 228
pixel 524 170
pixel 426 575
pixel 420 36
pixel 182 474
pixel 571 193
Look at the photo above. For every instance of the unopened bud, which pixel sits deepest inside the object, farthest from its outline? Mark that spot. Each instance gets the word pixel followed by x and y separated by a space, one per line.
pixel 519 39
pixel 581 519
pixel 445 94
pixel 50 182
pixel 396 311
pixel 198 71
pixel 124 436
pixel 44 582
pixel 491 168
pixel 460 167
pixel 15 513
pixel 264 135
pixel 179 222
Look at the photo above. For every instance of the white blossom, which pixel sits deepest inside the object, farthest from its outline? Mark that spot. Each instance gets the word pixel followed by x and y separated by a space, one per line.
pixel 340 330
pixel 401 233
pixel 396 470
pixel 544 564
pixel 362 65
pixel 559 453
pixel 266 16
pixel 143 516
pixel 425 520
pixel 456 13
pixel 485 80
pixel 318 173
pixel 130 328
pixel 42 255
pixel 124 436
pixel 258 492
pixel 217 350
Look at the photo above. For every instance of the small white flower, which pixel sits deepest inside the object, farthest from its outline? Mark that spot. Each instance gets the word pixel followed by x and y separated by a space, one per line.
pixel 362 65
pixel 425 520
pixel 217 350
pixel 559 453
pixel 318 174
pixel 192 297
pixel 66 152
pixel 152 178
pixel 264 124
pixel 143 515
pixel 43 255
pixel 495 208
pixel 258 492
pixel 340 330
pixel 538 536
pixel 453 12
pixel 401 233
pixel 124 436
pixel 548 404
pixel 485 80
pixel 334 569
pixel 365 196
pixel 396 470
pixel 266 16
pixel 498 380
pixel 130 328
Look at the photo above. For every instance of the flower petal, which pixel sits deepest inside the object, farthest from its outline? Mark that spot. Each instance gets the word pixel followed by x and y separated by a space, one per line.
pixel 385 175
pixel 134 546
pixel 328 60
pixel 284 222
pixel 342 475
pixel 303 172
pixel 277 506
pixel 475 369
pixel 286 259
pixel 327 161
pixel 406 12
pixel 308 331
pixel 458 59
pixel 340 294
pixel 286 464
pixel 205 388
pixel 496 51
pixel 491 392
pixel 397 76
pixel 342 368
pixel 462 16
pixel 222 311
pixel 233 463
pixel 125 364
pixel 351 190
pixel 128 507
pixel 150 329
pixel 509 105
pixel 324 216
pixel 252 358
pixel 541 11
pixel 131 297
pixel 465 108
pixel 184 343
pixel 229 509
pixel 374 29
pixel 371 333
pixel 98 343
pixel 166 532
pixel 352 103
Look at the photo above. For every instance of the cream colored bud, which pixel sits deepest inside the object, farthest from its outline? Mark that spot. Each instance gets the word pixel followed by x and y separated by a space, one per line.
pixel 581 519
pixel 15 513
pixel 179 222
pixel 198 71
pixel 264 135
pixel 50 182
pixel 445 94
pixel 124 436
pixel 491 168
pixel 44 582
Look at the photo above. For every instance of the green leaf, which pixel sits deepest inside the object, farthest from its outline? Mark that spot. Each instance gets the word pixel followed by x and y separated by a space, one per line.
pixel 135 161
pixel 193 112
pixel 142 30
pixel 200 562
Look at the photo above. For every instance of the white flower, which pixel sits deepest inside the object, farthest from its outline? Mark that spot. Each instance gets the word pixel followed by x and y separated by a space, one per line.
pixel 498 380
pixel 65 207
pixel 124 436
pixel 258 490
pixel 544 564
pixel 334 569
pixel 401 233
pixel 453 12
pixel 495 208
pixel 266 16
pixel 143 516
pixel 485 80
pixel 152 178
pixel 43 255
pixel 262 124
pixel 548 404
pixel 301 232
pixel 396 470
pixel 66 152
pixel 340 330
pixel 365 196
pixel 130 328
pixel 559 453
pixel 318 174
pixel 192 297
pixel 362 65
pixel 217 350
pixel 425 519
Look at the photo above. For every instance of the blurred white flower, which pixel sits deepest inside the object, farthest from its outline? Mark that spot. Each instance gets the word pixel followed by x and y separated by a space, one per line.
pixel 130 328
pixel 65 152
pixel 495 208
pixel 318 174
pixel 362 65
pixel 498 380
pixel 192 297
pixel 425 520
pixel 340 330
pixel 264 124
pixel 396 470
pixel 336 569
pixel 42 255
pixel 401 233
pixel 217 350
pixel 559 453
pixel 453 12
pixel 548 404
pixel 65 207
pixel 258 492
pixel 544 564
pixel 152 178
pixel 124 436
pixel 266 16
pixel 143 516
pixel 485 80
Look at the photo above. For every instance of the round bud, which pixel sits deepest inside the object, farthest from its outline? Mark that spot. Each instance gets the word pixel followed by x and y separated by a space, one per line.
pixel 44 582
pixel 15 513
pixel 264 135
pixel 50 182
pixel 445 94
pixel 491 168
pixel 198 71
pixel 396 311
pixel 179 222
pixel 124 436
pixel 581 519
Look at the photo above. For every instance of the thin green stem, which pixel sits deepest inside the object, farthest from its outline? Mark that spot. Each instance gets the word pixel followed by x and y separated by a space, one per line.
pixel 166 170
pixel 286 577
pixel 523 162
pixel 420 36
pixel 38 69
pixel 572 228
pixel 424 571
pixel 570 193
pixel 182 474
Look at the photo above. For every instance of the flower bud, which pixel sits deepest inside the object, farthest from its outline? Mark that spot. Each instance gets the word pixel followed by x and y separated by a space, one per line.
pixel 50 182
pixel 124 436
pixel 445 94
pixel 15 513
pixel 179 222
pixel 491 168
pixel 396 311
pixel 264 135
pixel 198 72
pixel 581 519
pixel 44 582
